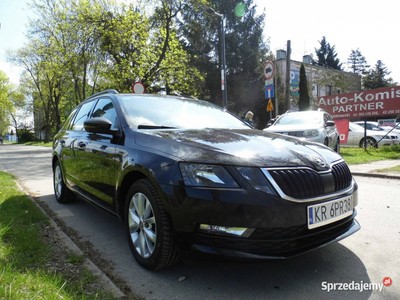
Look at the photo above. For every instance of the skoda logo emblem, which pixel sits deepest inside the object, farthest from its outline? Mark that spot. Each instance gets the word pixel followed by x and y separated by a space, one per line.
pixel 319 161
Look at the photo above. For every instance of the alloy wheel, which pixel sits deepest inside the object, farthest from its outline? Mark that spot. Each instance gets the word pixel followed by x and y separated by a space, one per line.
pixel 142 225
pixel 58 181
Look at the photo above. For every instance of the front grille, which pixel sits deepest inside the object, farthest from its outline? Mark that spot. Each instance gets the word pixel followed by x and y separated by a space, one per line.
pixel 342 175
pixel 293 133
pixel 299 183
pixel 308 183
pixel 278 245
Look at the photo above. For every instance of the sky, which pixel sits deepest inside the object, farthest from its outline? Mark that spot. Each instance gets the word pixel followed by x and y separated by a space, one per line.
pixel 373 27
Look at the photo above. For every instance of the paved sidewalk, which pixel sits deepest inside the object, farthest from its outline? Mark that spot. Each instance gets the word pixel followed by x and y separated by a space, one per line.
pixel 370 169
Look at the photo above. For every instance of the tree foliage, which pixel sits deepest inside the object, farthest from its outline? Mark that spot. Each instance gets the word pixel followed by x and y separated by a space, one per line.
pixel 357 62
pixel 246 54
pixel 304 98
pixel 5 102
pixel 11 99
pixel 377 77
pixel 327 56
pixel 79 47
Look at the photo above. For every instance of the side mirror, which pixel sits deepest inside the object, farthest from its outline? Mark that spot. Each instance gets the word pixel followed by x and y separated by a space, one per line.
pixel 99 125
pixel 330 124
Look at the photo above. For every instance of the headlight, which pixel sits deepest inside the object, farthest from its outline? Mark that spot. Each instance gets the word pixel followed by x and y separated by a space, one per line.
pixel 206 176
pixel 257 179
pixel 310 133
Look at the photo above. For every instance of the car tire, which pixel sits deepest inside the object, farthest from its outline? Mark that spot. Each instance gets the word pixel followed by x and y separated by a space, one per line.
pixel 370 143
pixel 148 227
pixel 61 192
pixel 326 142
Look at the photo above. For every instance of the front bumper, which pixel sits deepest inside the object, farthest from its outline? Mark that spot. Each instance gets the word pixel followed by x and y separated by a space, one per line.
pixel 276 244
pixel 280 225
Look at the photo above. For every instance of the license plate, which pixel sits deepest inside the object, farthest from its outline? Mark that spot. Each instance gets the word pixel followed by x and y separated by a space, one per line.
pixel 329 212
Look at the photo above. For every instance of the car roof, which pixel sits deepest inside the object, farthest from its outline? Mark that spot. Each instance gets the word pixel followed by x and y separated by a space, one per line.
pixel 116 93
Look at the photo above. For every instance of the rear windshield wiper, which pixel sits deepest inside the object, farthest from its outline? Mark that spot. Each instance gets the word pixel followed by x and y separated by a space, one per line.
pixel 154 127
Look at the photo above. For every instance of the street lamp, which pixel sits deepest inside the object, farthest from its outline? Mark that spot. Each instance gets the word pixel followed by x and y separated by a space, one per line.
pixel 223 64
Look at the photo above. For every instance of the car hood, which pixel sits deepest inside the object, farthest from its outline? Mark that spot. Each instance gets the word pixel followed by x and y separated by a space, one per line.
pixel 237 147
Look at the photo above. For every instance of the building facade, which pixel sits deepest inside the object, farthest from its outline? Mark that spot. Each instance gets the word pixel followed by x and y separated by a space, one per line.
pixel 321 81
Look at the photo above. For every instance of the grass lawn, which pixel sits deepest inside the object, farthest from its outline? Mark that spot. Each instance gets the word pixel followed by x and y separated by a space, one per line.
pixel 360 156
pixel 27 260
pixel 50 144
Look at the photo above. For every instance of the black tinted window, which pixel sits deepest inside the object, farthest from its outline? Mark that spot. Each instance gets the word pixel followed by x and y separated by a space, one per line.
pixel 82 116
pixel 68 122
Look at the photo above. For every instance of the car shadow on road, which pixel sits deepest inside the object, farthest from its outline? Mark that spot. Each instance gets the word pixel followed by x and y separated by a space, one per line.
pixel 301 277
pixel 305 276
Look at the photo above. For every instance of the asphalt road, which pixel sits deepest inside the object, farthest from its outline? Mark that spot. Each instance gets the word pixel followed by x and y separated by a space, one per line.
pixel 365 258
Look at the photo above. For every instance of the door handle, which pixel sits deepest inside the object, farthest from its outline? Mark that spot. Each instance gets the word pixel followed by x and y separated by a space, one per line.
pixel 104 147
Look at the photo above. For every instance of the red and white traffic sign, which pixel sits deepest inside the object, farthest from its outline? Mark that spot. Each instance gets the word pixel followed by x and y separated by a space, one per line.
pixel 138 88
pixel 269 70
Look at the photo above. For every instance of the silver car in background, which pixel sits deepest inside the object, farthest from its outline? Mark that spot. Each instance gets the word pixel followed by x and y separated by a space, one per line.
pixel 314 126
pixel 373 138
pixel 393 132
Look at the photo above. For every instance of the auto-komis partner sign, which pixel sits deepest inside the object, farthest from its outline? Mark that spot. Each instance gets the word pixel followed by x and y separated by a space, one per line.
pixel 378 102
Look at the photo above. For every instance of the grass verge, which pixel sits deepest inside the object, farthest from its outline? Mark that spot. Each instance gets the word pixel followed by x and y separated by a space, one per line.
pixel 355 156
pixel 36 143
pixel 27 259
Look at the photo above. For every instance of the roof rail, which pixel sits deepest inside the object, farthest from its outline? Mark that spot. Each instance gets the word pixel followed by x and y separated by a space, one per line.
pixel 103 92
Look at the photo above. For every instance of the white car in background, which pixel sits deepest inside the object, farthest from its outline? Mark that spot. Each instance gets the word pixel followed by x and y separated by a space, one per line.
pixel 314 126
pixel 373 138
pixel 374 126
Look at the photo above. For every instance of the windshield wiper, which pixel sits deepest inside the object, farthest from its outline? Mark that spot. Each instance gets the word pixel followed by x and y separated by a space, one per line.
pixel 155 127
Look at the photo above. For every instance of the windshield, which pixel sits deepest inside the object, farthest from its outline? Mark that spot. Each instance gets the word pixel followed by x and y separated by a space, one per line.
pixel 310 118
pixel 155 112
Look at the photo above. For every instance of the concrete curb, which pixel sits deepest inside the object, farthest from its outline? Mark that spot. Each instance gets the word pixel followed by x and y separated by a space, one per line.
pixel 105 282
pixel 377 175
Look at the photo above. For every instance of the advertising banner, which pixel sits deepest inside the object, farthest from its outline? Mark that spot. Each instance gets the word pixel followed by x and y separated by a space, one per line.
pixel 343 128
pixel 371 103
pixel 387 122
pixel 294 82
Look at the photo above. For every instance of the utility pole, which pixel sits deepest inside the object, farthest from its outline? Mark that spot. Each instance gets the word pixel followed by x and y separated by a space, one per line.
pixel 223 63
pixel 276 89
pixel 287 80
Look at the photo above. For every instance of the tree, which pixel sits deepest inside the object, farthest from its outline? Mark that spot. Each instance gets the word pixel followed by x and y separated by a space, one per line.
pixel 304 98
pixel 357 62
pixel 78 47
pixel 376 78
pixel 326 55
pixel 143 48
pixel 5 102
pixel 246 54
pixel 10 101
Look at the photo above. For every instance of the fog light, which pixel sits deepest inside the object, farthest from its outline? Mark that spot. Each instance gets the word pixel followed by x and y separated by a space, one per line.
pixel 230 231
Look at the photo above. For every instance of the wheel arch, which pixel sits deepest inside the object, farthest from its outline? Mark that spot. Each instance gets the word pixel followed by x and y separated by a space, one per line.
pixel 128 180
pixel 53 161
